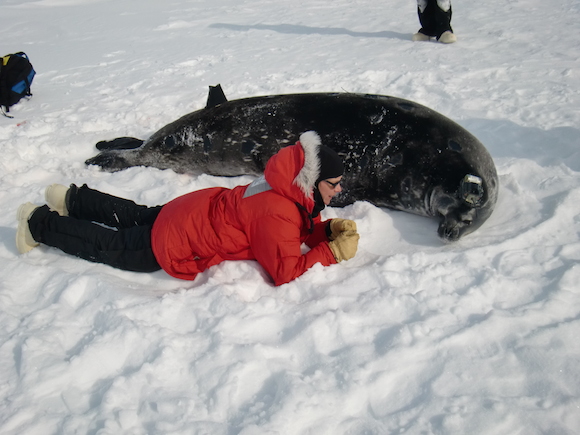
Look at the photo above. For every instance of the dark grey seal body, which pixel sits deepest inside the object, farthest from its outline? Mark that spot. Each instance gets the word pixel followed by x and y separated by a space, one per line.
pixel 397 153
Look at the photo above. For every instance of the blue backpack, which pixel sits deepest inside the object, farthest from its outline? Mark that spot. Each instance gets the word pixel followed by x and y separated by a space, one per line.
pixel 16 74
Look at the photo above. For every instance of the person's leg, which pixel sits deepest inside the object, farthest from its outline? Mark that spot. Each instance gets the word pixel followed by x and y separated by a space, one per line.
pixel 424 18
pixel 127 249
pixel 443 22
pixel 91 205
pixel 435 18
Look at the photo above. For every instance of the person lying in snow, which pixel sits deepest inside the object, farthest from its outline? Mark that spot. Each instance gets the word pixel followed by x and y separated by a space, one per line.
pixel 267 220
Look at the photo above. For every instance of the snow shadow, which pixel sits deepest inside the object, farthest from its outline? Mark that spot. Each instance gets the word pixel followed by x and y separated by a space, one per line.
pixel 415 230
pixel 7 238
pixel 294 29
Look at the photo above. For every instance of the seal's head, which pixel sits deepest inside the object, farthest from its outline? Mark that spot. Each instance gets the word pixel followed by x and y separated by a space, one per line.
pixel 464 211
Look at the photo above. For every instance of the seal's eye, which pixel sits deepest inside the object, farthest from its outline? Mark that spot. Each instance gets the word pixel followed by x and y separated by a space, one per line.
pixel 471 190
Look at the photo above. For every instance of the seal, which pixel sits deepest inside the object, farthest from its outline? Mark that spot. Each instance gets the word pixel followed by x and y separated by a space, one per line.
pixel 397 153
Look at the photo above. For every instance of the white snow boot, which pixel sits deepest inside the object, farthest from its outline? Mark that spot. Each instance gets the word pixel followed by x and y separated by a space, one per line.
pixel 55 196
pixel 24 240
pixel 421 37
pixel 447 37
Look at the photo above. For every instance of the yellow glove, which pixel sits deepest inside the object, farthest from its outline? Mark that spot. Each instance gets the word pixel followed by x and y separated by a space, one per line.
pixel 345 245
pixel 338 226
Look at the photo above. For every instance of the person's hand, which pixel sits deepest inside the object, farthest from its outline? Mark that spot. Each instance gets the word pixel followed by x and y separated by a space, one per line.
pixel 344 246
pixel 338 226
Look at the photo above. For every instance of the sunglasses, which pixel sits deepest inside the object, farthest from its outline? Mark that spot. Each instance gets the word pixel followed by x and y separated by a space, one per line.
pixel 333 185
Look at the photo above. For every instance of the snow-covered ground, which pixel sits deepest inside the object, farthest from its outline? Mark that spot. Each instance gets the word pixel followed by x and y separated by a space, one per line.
pixel 410 337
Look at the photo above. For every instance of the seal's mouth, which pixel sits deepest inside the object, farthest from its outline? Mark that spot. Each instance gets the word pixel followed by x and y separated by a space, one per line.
pixel 457 224
pixel 449 232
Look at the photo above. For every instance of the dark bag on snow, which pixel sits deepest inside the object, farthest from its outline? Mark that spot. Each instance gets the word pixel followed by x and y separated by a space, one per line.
pixel 16 74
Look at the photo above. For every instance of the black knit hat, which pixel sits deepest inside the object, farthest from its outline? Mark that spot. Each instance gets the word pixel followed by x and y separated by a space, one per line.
pixel 331 165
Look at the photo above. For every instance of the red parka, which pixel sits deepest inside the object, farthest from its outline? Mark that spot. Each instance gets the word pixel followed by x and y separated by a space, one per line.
pixel 266 221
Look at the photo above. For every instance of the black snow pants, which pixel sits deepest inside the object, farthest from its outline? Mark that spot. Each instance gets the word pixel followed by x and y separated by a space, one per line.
pixel 434 19
pixel 100 228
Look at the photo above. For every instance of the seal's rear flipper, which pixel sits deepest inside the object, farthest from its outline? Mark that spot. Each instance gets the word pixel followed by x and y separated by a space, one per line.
pixel 121 143
pixel 215 97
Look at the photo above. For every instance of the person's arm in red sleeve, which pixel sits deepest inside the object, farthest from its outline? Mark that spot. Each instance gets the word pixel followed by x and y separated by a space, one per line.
pixel 320 233
pixel 275 242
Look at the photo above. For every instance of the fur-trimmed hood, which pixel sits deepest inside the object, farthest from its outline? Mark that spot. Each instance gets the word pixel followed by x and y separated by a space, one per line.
pixel 293 171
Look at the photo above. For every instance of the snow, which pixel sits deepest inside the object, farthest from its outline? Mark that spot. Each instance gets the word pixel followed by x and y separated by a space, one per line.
pixel 412 336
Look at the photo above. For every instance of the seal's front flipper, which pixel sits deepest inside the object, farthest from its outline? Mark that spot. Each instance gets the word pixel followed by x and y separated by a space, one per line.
pixel 215 97
pixel 121 143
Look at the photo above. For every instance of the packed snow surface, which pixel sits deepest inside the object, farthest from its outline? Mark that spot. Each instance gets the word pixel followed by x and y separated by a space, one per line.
pixel 412 336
